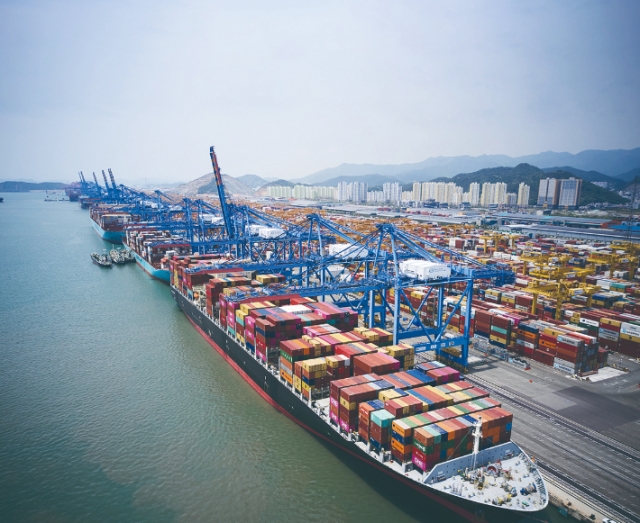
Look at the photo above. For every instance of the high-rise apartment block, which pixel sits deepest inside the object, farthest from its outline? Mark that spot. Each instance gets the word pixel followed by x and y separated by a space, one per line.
pixel 493 194
pixel 474 194
pixel 417 192
pixel 523 195
pixel 392 192
pixel 570 191
pixel 549 192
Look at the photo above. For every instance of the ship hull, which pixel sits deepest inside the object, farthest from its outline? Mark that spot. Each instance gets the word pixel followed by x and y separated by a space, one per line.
pixel 159 274
pixel 109 236
pixel 277 394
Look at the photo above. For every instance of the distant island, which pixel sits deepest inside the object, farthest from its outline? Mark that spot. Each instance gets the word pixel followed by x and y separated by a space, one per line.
pixel 26 186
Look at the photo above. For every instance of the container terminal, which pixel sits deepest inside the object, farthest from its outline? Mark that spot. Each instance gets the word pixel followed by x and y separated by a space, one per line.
pixel 419 347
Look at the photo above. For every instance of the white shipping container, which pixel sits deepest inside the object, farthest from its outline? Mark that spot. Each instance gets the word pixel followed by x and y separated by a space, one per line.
pixel 569 340
pixel 254 230
pixel 424 270
pixel 348 251
pixel 270 232
pixel 563 368
pixel 296 309
pixel 630 329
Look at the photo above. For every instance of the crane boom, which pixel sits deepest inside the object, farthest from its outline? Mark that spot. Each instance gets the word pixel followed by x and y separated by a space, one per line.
pixel 95 179
pixel 113 180
pixel 105 180
pixel 224 204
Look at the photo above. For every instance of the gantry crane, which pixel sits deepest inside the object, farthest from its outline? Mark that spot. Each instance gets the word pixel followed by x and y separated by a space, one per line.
pixel 561 291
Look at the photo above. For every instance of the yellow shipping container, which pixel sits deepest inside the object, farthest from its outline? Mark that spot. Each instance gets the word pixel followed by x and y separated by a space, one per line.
pixel 387 395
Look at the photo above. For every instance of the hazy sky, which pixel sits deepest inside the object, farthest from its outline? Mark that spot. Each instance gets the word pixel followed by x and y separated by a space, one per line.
pixel 284 89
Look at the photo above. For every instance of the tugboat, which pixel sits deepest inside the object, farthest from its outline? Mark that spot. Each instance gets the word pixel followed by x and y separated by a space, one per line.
pixel 119 256
pixel 103 260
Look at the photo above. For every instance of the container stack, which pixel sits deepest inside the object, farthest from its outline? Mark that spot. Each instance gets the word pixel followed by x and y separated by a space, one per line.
pixel 215 287
pixel 404 406
pixel 441 441
pixel 500 333
pixel 336 387
pixel 322 329
pixel 340 338
pixel 353 349
pixel 311 378
pixel 496 426
pixel 404 353
pixel 439 372
pixel 373 363
pixel 483 323
pixel 380 429
pixel 402 435
pixel 527 338
pixel 431 397
pixel 351 397
pixel 338 367
pixel 380 337
pixel 409 379
pixel 344 320
pixel 292 352
pixel 268 279
pixel 364 416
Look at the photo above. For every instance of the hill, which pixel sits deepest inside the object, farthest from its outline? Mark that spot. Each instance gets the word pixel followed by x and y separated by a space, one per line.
pixel 26 186
pixel 610 163
pixel 206 185
pixel 252 180
pixel 275 183
pixel 629 176
pixel 232 186
pixel 532 175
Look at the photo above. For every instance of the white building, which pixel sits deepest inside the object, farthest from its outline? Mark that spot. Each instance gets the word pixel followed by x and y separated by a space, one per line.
pixel 417 192
pixel 523 195
pixel 392 192
pixel 570 191
pixel 474 194
pixel 493 194
pixel 280 191
pixel 548 192
pixel 375 197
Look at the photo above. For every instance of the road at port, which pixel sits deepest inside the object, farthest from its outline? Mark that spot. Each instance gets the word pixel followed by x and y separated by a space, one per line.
pixel 593 463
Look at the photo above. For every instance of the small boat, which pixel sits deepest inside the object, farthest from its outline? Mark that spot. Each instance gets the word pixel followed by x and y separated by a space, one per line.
pixel 103 260
pixel 119 256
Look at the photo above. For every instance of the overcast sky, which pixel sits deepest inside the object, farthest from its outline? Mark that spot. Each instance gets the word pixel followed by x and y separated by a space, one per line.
pixel 284 89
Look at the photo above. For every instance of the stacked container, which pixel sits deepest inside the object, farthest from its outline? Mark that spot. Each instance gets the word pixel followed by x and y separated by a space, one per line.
pixel 351 397
pixel 334 393
pixel 311 378
pixel 364 416
pixel 373 363
pixel 338 367
pixel 404 353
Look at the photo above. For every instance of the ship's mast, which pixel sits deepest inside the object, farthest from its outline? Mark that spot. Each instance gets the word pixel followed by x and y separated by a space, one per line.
pixel 477 435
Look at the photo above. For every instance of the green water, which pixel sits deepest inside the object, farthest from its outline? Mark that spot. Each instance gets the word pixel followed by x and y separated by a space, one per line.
pixel 114 409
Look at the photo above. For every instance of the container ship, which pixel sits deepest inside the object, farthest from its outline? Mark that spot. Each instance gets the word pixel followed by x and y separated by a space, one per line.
pixel 421 424
pixel 153 248
pixel 110 223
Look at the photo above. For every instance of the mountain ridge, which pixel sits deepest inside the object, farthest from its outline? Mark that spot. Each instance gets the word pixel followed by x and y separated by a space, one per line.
pixel 607 162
